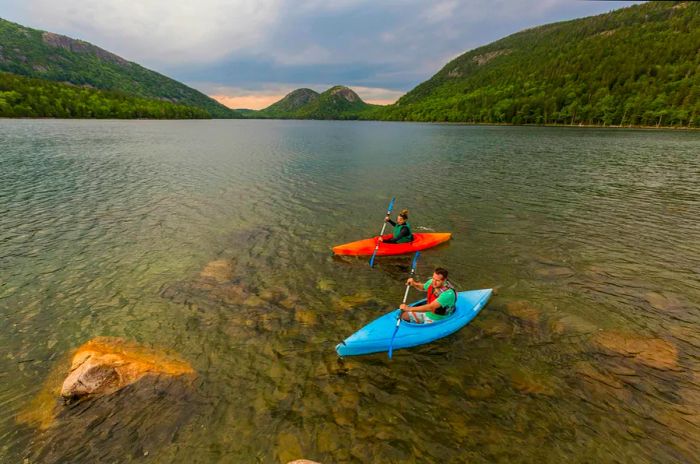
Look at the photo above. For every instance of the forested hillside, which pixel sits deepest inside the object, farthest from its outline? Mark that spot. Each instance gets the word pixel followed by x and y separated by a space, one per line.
pixel 44 55
pixel 635 66
pixel 38 98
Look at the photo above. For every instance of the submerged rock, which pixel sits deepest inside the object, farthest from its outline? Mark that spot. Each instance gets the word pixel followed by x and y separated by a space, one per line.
pixel 104 365
pixel 652 352
pixel 353 301
pixel 523 311
pixel 288 447
pixel 132 401
pixel 220 270
pixel 530 383
pixel 495 327
pixel 663 302
pixel 554 272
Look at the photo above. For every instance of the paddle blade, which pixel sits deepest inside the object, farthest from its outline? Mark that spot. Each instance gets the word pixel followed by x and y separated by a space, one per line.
pixel 415 261
pixel 391 205
pixel 391 343
pixel 388 212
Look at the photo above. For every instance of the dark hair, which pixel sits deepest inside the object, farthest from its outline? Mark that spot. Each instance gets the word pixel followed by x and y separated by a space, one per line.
pixel 441 271
pixel 404 213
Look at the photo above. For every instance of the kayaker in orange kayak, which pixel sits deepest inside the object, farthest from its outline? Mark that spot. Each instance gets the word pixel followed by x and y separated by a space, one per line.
pixel 442 297
pixel 402 229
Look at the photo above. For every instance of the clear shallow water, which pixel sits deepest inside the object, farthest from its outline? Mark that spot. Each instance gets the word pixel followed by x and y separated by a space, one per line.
pixel 105 227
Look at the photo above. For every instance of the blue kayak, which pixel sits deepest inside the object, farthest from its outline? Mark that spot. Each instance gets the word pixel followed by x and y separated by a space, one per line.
pixel 376 336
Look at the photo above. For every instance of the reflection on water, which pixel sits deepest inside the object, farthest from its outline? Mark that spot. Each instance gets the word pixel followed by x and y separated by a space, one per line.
pixel 212 239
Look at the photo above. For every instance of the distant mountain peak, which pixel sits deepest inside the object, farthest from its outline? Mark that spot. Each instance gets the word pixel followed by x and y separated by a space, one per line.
pixel 294 100
pixel 344 93
pixel 338 102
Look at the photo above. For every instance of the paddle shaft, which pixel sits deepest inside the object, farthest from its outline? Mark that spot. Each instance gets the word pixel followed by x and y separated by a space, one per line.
pixel 388 212
pixel 405 296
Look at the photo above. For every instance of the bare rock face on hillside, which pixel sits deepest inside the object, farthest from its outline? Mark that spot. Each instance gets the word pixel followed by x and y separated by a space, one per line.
pixel 300 97
pixel 78 46
pixel 294 100
pixel 344 93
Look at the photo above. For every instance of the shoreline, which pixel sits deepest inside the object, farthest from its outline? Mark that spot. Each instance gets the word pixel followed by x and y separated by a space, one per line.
pixel 451 123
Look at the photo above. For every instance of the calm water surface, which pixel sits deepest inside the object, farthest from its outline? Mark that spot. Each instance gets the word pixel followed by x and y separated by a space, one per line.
pixel 589 351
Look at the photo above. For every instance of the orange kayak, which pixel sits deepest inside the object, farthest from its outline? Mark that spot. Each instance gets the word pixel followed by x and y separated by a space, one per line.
pixel 366 246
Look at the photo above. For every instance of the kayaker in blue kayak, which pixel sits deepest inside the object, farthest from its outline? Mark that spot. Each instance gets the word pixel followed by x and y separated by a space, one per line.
pixel 441 299
pixel 402 229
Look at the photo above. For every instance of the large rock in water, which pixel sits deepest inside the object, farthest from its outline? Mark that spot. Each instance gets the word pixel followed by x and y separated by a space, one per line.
pixel 104 365
pixel 653 352
pixel 132 401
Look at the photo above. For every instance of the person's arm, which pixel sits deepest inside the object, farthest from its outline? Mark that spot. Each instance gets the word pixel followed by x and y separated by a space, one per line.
pixel 388 219
pixel 422 308
pixel 415 284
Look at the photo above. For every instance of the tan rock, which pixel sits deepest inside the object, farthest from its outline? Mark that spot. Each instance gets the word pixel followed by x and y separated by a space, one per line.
pixel 220 271
pixel 129 363
pixel 305 316
pixel 522 310
pixel 553 272
pixel 570 323
pixel 288 447
pixel 663 302
pixel 527 382
pixel 652 352
pixel 495 327
pixel 585 369
pixel 104 365
pixel 325 285
pixel 351 301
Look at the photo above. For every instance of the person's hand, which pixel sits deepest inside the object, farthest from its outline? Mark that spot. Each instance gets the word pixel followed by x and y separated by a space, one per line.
pixel 380 239
pixel 404 307
pixel 387 218
pixel 410 281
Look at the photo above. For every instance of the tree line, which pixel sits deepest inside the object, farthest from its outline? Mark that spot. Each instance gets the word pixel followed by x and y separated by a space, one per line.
pixel 37 98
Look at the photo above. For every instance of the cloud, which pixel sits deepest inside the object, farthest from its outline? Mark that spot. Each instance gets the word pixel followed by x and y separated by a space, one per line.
pixel 377 95
pixel 256 44
pixel 160 31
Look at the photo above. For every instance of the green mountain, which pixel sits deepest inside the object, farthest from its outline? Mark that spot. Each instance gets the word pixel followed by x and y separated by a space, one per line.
pixel 290 104
pixel 335 103
pixel 44 55
pixel 26 97
pixel 635 66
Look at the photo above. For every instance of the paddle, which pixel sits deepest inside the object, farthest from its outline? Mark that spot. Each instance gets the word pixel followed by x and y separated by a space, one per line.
pixel 405 296
pixel 388 212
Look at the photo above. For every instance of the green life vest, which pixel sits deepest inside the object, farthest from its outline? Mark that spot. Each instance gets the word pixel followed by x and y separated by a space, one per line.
pixel 397 231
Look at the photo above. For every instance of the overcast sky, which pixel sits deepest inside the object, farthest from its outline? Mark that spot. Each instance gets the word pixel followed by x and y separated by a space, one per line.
pixel 250 53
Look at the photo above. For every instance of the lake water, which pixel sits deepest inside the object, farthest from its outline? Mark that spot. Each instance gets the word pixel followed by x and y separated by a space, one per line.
pixel 588 352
